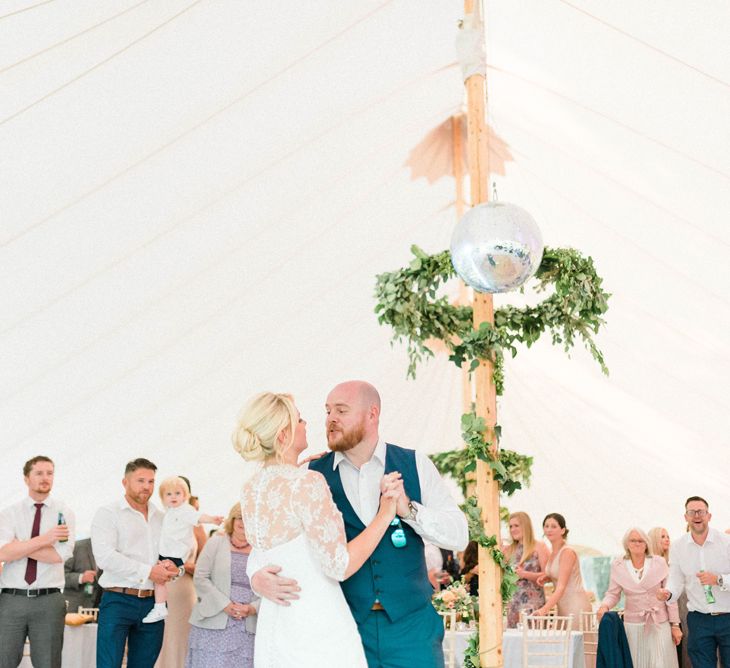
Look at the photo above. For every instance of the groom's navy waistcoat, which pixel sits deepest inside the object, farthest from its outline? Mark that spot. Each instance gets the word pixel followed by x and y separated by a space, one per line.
pixel 396 577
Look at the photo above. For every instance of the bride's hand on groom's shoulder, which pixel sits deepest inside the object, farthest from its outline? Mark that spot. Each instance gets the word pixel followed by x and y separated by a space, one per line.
pixel 312 458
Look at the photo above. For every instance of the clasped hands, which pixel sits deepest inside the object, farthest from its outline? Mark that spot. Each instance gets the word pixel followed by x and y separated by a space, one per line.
pixel 391 487
pixel 239 610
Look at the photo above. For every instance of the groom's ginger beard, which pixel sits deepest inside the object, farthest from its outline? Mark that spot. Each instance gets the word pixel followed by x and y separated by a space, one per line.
pixel 342 441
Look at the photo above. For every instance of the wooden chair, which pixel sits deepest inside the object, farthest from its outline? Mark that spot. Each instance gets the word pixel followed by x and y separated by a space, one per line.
pixel 89 612
pixel 546 641
pixel 589 627
pixel 449 619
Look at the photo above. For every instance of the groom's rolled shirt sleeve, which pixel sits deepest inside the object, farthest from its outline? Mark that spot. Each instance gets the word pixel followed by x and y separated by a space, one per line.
pixel 439 519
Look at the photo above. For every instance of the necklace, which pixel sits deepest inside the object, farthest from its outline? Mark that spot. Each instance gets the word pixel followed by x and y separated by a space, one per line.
pixel 239 547
pixel 638 571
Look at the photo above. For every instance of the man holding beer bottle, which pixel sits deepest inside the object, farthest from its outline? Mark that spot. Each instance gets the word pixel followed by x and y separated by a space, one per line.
pixel 36 537
pixel 700 564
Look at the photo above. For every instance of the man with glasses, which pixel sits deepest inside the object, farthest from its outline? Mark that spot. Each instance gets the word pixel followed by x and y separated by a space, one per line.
pixel 700 564
pixel 390 596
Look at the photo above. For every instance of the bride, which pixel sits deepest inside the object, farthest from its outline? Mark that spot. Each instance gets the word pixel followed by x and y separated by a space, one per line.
pixel 291 520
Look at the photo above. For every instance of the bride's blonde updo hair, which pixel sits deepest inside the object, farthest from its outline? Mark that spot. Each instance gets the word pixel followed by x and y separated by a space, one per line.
pixel 263 418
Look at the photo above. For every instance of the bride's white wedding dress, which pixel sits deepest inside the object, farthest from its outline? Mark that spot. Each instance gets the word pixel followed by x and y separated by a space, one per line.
pixel 292 521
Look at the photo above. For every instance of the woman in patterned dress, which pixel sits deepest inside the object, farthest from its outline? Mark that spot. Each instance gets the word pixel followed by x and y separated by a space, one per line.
pixel 528 557
pixel 224 619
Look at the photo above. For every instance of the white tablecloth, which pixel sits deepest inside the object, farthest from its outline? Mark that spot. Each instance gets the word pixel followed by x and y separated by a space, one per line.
pixel 79 647
pixel 461 642
pixel 512 649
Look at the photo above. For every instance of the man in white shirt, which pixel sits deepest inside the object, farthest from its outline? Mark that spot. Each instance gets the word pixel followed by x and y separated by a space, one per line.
pixel 390 596
pixel 124 537
pixel 700 565
pixel 36 537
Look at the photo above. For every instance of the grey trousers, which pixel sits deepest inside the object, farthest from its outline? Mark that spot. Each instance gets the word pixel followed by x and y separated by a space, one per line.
pixel 41 620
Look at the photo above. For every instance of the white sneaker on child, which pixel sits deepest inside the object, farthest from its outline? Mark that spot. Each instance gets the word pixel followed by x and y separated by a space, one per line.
pixel 157 614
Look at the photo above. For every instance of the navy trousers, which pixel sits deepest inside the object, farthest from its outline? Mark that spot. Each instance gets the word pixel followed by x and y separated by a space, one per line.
pixel 707 635
pixel 414 640
pixel 120 622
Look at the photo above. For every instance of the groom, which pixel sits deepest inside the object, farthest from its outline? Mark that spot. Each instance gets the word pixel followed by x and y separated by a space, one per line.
pixel 390 596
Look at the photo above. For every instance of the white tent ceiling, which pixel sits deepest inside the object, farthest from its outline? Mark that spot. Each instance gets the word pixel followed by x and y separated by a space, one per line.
pixel 196 197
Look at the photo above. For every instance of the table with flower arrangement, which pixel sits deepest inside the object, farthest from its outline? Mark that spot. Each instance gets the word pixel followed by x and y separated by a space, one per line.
pixel 457 608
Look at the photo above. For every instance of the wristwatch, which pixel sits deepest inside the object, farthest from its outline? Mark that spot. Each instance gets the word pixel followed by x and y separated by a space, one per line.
pixel 720 581
pixel 412 512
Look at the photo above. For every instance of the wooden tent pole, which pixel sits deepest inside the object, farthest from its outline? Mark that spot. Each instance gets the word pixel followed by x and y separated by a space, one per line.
pixel 457 144
pixel 490 576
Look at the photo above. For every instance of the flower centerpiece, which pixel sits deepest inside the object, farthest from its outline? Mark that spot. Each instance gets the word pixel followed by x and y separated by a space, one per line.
pixel 456 598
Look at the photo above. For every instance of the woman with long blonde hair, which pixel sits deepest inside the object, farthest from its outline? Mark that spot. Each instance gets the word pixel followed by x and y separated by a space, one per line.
pixel 659 542
pixel 528 557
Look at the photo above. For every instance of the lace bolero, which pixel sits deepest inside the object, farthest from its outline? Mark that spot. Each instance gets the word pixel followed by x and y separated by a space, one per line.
pixel 281 502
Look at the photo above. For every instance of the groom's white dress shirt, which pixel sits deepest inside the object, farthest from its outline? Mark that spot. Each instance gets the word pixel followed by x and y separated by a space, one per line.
pixel 438 520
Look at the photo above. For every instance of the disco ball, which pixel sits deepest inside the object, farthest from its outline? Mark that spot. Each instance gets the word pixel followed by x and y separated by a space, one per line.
pixel 496 247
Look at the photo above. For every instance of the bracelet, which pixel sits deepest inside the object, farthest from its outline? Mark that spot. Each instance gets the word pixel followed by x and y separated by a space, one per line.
pixel 412 512
pixel 676 625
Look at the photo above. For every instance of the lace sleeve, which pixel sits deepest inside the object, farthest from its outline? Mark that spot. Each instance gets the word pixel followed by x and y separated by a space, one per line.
pixel 322 521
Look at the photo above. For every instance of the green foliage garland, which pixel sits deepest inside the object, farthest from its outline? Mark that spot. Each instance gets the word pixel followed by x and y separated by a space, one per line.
pixel 471 654
pixel 407 300
pixel 511 469
pixel 476 532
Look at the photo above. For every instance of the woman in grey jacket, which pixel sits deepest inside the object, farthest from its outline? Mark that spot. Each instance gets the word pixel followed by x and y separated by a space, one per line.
pixel 224 618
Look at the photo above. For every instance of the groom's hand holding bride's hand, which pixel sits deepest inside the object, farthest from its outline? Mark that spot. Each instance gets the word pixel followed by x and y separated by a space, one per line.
pixel 265 582
pixel 392 484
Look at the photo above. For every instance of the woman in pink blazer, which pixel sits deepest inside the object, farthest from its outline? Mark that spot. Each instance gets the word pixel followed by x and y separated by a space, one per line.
pixel 652 627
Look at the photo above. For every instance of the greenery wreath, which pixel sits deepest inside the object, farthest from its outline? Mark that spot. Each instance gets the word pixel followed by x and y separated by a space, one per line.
pixel 407 301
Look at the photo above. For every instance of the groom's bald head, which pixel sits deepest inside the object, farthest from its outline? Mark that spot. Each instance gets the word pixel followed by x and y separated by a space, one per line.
pixel 353 414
